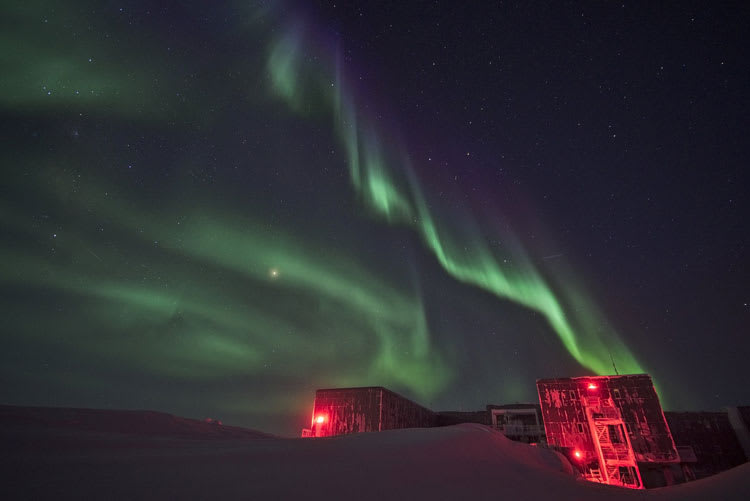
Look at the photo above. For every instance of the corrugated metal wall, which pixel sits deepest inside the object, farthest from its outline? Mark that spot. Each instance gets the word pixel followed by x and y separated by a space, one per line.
pixel 563 415
pixel 638 402
pixel 634 395
pixel 399 412
pixel 357 410
pixel 346 410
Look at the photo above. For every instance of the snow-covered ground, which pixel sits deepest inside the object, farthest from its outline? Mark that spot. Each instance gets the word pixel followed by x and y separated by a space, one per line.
pixel 118 455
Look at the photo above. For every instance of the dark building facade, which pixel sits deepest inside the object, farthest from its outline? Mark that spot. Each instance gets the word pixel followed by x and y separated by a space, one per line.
pixel 612 428
pixel 711 437
pixel 739 417
pixel 519 422
pixel 450 418
pixel 340 411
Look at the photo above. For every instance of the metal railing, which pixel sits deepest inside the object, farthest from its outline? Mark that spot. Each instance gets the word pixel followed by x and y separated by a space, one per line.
pixel 520 429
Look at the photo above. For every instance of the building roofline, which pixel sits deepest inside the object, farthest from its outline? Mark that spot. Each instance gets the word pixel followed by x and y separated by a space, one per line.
pixel 607 376
pixel 343 388
pixel 519 405
pixel 383 388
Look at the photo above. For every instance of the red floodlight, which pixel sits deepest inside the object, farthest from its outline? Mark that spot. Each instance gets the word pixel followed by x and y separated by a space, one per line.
pixel 320 419
pixel 577 454
pixel 592 386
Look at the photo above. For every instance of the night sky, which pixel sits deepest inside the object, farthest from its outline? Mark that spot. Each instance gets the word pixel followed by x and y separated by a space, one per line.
pixel 214 208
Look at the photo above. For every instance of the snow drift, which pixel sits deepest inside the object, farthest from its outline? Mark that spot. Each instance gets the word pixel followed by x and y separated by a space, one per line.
pixel 117 456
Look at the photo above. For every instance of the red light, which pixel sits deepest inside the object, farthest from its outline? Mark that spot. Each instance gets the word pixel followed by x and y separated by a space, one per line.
pixel 320 419
pixel 592 386
pixel 577 454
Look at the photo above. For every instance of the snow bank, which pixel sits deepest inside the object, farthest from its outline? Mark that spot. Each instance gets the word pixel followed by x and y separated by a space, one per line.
pixel 459 462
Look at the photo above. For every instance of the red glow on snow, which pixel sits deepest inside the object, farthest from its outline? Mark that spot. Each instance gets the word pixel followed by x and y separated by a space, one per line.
pixel 320 419
pixel 592 386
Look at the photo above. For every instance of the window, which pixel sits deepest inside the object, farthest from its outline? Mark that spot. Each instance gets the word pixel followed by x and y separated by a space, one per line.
pixel 627 475
pixel 580 427
pixel 572 394
pixel 614 434
pixel 616 393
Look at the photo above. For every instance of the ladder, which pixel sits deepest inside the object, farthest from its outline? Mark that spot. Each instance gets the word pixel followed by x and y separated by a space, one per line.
pixel 617 465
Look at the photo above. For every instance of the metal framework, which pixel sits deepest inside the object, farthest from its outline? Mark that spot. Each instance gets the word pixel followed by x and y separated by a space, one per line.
pixel 611 427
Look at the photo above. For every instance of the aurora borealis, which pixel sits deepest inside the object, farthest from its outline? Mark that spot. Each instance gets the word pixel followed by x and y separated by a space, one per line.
pixel 372 175
pixel 212 210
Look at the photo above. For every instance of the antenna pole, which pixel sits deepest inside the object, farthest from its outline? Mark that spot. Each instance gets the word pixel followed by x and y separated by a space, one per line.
pixel 613 363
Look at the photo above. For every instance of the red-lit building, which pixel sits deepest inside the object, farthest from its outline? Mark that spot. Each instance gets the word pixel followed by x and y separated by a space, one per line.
pixel 612 428
pixel 340 411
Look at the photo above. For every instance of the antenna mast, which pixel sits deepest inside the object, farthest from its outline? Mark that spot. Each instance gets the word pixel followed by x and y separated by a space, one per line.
pixel 613 363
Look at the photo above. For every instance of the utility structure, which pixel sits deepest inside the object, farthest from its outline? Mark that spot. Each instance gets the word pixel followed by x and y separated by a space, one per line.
pixel 613 428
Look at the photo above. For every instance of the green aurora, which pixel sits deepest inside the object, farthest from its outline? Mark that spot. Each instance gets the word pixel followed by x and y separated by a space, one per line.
pixel 190 285
pixel 373 173
pixel 222 332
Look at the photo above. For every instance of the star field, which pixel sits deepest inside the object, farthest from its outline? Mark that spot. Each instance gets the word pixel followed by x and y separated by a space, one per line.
pixel 212 210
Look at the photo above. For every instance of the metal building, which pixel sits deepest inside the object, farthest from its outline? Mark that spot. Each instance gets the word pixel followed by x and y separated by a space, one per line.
pixel 612 428
pixel 710 436
pixel 519 422
pixel 339 411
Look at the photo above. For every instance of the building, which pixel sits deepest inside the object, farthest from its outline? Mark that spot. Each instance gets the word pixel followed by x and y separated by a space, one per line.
pixel 519 422
pixel 450 418
pixel 739 417
pixel 612 428
pixel 710 436
pixel 340 411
